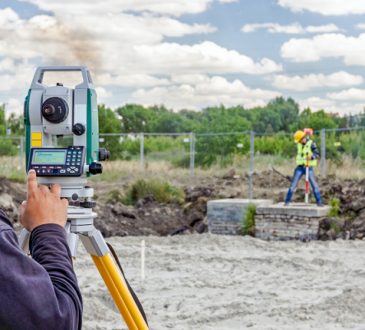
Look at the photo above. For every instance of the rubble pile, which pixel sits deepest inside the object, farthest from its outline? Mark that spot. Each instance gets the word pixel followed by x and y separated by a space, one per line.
pixel 149 217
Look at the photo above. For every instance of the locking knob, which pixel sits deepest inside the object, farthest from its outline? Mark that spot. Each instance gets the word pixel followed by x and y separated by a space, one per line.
pixel 78 129
pixel 95 168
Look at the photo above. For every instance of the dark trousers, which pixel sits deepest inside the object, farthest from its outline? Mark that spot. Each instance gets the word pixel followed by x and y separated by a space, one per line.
pixel 298 173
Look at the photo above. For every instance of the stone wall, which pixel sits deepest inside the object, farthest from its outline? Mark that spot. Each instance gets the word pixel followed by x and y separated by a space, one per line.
pixel 295 222
pixel 225 215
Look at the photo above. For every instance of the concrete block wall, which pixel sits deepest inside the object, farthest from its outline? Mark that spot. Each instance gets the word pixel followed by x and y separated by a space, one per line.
pixel 225 215
pixel 294 222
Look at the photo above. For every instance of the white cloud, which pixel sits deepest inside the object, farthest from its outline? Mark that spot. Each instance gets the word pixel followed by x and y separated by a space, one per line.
pixel 327 28
pixel 325 7
pixel 294 28
pixel 103 94
pixel 341 108
pixel 310 81
pixel 7 65
pixel 190 79
pixel 204 92
pixel 81 39
pixel 165 7
pixel 360 26
pixel 132 45
pixel 206 57
pixel 13 106
pixel 123 42
pixel 131 80
pixel 15 78
pixel 352 94
pixel 351 49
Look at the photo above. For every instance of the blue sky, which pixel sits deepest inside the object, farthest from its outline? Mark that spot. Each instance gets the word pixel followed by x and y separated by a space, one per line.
pixel 192 54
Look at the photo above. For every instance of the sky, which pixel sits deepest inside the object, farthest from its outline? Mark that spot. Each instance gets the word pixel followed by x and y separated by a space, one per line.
pixel 191 54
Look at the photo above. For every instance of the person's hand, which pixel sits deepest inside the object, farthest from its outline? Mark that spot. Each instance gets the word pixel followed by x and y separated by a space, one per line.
pixel 43 205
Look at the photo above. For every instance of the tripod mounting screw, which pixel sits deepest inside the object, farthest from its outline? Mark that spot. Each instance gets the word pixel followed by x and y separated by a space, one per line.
pixel 74 197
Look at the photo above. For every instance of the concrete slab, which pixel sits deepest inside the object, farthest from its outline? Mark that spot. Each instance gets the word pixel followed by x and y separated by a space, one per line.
pixel 298 221
pixel 295 209
pixel 225 215
pixel 240 201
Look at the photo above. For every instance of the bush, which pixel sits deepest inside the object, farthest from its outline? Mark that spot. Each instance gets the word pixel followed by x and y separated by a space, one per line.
pixel 182 161
pixel 278 144
pixel 161 191
pixel 248 221
pixel 115 196
pixel 8 147
pixel 18 177
pixel 335 207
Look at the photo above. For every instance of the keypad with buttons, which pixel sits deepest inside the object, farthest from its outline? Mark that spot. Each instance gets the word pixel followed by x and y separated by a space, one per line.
pixel 72 166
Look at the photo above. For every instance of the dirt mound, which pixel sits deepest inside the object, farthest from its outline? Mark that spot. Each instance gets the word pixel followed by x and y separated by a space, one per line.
pixel 11 195
pixel 149 217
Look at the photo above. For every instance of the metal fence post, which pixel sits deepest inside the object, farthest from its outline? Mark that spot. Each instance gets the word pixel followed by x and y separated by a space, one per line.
pixel 192 154
pixel 323 153
pixel 141 150
pixel 250 175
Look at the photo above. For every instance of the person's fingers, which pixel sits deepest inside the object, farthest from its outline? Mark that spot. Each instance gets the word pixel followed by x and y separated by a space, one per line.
pixel 32 185
pixel 44 189
pixel 22 209
pixel 23 205
pixel 65 202
pixel 56 189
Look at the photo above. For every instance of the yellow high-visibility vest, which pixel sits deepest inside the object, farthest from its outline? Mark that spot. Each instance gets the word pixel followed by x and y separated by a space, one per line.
pixel 303 152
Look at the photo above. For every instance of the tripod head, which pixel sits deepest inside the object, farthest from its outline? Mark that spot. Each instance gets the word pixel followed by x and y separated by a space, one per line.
pixel 54 111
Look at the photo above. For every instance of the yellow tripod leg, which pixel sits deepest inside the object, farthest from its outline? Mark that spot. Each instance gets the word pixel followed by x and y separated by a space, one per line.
pixel 119 291
pixel 114 293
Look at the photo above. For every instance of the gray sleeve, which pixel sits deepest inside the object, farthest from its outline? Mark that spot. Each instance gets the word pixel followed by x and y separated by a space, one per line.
pixel 39 292
pixel 315 151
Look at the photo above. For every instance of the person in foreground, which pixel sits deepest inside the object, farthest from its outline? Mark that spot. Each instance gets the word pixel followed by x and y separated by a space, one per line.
pixel 307 153
pixel 39 292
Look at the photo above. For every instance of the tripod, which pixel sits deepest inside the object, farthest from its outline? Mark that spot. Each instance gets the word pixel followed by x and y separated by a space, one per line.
pixel 80 224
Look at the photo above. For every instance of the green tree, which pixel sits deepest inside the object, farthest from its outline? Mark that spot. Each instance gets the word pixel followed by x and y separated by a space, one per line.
pixel 110 123
pixel 136 118
pixel 16 125
pixel 221 148
pixel 316 120
pixel 2 120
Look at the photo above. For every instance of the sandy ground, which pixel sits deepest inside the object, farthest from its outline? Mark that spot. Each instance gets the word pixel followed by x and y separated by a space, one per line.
pixel 230 282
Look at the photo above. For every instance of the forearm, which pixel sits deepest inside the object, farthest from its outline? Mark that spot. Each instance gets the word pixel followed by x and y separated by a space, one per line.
pixel 48 247
pixel 38 295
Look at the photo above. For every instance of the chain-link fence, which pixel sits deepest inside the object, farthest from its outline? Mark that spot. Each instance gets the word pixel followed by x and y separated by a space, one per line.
pixel 342 152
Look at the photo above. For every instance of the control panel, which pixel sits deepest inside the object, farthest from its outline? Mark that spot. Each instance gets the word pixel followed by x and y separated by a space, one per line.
pixel 57 161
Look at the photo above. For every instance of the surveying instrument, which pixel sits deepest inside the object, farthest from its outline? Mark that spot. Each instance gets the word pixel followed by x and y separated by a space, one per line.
pixel 51 112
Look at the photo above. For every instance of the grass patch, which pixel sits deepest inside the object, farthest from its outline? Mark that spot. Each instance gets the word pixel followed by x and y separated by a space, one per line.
pixel 248 221
pixel 17 177
pixel 334 226
pixel 335 207
pixel 115 196
pixel 161 191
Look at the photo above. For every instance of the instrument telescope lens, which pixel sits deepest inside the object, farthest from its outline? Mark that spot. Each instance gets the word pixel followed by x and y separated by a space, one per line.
pixel 55 110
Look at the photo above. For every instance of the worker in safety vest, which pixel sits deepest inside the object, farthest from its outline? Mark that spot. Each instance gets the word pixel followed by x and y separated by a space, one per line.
pixel 307 154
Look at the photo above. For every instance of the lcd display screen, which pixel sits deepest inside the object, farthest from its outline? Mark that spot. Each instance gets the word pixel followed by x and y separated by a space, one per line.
pixel 52 157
